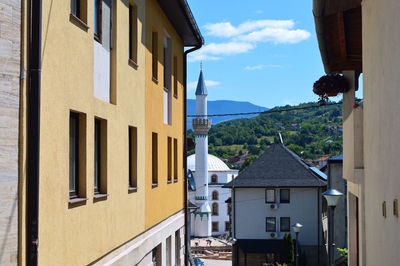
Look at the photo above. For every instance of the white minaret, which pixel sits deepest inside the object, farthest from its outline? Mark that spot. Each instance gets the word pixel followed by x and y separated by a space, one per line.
pixel 201 126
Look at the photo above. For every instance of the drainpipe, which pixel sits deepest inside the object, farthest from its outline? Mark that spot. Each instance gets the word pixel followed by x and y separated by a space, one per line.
pixel 185 183
pixel 33 130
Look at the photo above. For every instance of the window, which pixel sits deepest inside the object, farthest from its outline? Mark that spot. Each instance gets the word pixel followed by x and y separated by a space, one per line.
pixel 215 195
pixel 167 81
pixel 167 62
pixel 97 155
pixel 97 19
pixel 168 251
pixel 284 196
pixel 177 248
pixel 100 156
pixel 77 157
pixel 271 224
pixel 154 160
pixel 169 159
pixel 285 224
pixel 78 10
pixel 270 195
pixel 227 226
pixel 214 211
pixel 73 155
pixel 175 160
pixel 154 51
pixel 132 158
pixel 133 35
pixel 175 77
pixel 214 179
pixel 214 226
pixel 228 209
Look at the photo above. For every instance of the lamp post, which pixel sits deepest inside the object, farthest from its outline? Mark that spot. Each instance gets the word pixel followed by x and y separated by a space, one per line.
pixel 332 197
pixel 296 228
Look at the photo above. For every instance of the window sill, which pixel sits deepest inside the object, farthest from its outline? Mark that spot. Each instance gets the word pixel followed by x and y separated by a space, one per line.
pixel 100 196
pixel 74 202
pixel 78 22
pixel 155 80
pixel 132 63
pixel 154 185
pixel 132 189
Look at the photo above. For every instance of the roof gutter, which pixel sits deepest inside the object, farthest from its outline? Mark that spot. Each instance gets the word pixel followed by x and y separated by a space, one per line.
pixel 318 12
pixel 33 130
pixel 185 183
pixel 195 29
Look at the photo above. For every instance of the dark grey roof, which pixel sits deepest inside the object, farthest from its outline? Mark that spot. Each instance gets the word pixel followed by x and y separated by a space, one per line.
pixel 277 167
pixel 181 17
pixel 201 85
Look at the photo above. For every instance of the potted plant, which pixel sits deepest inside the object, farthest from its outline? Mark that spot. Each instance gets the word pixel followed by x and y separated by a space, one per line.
pixel 329 86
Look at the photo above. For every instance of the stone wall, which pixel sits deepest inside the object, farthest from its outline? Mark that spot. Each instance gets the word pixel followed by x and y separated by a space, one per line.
pixel 10 30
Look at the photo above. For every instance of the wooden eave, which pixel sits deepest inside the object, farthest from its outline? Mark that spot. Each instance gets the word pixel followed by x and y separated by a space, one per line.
pixel 338 26
pixel 343 40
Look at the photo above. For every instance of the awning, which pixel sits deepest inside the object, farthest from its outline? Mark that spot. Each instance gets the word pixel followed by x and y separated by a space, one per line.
pixel 260 246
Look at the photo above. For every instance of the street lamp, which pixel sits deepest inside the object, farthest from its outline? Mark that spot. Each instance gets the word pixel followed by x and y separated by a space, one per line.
pixel 296 228
pixel 332 197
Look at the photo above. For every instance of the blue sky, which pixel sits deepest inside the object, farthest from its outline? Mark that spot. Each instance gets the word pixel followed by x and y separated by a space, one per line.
pixel 261 51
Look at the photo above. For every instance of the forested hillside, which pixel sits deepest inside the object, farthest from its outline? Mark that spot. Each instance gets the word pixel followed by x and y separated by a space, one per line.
pixel 311 133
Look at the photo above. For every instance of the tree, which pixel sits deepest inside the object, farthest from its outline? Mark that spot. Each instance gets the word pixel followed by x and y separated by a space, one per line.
pixel 253 149
pixel 288 250
pixel 247 162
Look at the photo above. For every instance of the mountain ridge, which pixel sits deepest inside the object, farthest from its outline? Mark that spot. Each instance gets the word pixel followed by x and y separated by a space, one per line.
pixel 224 107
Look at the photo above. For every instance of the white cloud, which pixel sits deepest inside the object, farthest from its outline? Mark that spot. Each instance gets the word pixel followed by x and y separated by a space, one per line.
pixel 276 35
pixel 209 83
pixel 245 37
pixel 213 51
pixel 259 11
pixel 225 29
pixel 259 67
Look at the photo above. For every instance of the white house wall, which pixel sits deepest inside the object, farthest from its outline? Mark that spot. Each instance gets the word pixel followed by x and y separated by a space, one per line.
pixel 381 79
pixel 251 212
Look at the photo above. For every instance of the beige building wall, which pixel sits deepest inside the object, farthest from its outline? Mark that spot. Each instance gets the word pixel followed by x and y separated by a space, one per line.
pixel 10 30
pixel 381 66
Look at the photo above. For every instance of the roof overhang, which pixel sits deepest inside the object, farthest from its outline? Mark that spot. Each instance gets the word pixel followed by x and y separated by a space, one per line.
pixel 338 28
pixel 181 17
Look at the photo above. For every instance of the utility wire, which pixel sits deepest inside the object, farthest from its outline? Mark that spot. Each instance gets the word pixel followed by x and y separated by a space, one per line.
pixel 274 110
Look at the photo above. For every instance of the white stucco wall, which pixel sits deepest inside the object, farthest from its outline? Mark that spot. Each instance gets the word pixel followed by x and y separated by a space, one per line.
pixel 250 212
pixel 381 79
pixel 138 251
pixel 101 80
pixel 10 42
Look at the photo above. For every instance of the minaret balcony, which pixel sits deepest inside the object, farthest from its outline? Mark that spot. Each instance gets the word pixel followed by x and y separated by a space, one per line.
pixel 201 125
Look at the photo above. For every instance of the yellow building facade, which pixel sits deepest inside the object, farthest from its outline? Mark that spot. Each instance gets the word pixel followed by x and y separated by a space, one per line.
pixel 99 108
pixel 166 195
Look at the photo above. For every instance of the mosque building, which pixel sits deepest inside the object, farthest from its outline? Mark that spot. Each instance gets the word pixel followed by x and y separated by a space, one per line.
pixel 211 218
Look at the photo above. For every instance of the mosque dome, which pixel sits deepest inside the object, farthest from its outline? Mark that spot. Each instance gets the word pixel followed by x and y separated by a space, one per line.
pixel 214 163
